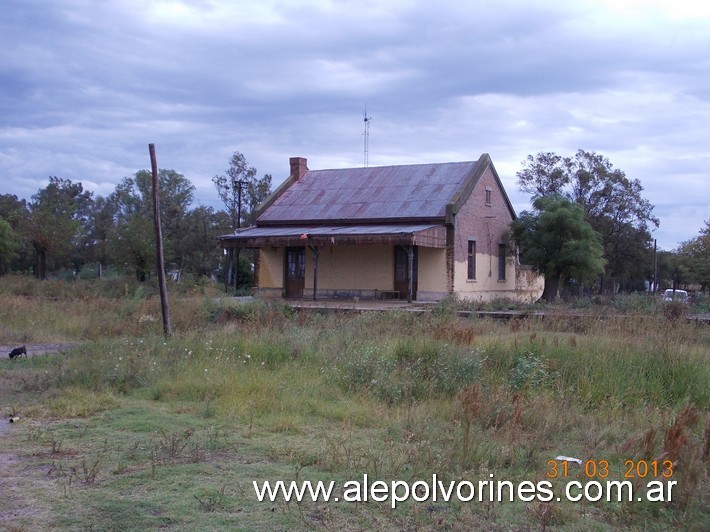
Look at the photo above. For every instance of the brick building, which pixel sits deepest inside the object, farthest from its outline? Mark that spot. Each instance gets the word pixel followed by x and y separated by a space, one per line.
pixel 416 232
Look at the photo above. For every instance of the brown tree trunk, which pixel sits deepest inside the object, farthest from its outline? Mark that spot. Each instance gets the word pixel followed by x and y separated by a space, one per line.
pixel 552 287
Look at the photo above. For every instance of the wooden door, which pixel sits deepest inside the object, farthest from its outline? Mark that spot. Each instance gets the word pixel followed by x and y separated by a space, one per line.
pixel 295 272
pixel 401 272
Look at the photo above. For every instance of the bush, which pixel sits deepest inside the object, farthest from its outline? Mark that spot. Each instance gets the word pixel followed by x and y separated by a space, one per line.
pixel 413 370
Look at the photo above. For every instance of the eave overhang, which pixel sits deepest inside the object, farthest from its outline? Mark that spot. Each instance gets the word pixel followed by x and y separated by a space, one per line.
pixel 423 235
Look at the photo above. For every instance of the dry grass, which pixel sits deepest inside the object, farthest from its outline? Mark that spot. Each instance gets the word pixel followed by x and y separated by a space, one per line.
pixel 395 395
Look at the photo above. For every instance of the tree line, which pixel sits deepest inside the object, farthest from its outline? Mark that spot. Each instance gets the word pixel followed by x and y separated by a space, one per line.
pixel 65 228
pixel 590 230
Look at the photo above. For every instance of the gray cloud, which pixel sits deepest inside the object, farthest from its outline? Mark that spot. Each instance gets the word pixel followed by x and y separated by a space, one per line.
pixel 85 86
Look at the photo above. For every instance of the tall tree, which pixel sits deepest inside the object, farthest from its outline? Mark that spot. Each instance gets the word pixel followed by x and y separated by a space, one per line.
pixel 131 240
pixel 101 220
pixel 558 242
pixel 202 227
pixel 695 255
pixel 613 204
pixel 176 195
pixel 55 224
pixel 9 244
pixel 16 211
pixel 240 182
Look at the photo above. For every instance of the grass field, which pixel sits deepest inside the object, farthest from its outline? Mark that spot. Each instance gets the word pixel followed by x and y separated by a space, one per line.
pixel 130 431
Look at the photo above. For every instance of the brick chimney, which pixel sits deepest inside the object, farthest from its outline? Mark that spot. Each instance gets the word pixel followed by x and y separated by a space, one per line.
pixel 298 167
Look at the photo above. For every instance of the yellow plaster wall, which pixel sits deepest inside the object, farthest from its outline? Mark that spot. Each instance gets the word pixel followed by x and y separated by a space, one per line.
pixel 356 268
pixel 271 267
pixel 352 268
pixel 484 287
pixel 432 270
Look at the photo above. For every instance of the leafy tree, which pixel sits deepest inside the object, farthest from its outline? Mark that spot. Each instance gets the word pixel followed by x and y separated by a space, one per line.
pixel 56 221
pixel 695 255
pixel 15 211
pixel 132 238
pixel 672 269
pixel 241 192
pixel 9 244
pixel 100 226
pixel 176 195
pixel 253 190
pixel 612 204
pixel 203 226
pixel 558 242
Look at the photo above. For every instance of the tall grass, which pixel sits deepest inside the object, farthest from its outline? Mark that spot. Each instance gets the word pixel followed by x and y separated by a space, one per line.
pixel 396 394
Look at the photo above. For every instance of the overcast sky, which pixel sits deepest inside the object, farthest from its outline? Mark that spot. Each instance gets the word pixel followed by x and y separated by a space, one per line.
pixel 86 85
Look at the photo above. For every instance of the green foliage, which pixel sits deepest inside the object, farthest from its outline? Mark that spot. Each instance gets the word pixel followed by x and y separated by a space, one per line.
pixel 55 224
pixel 241 191
pixel 414 370
pixel 9 244
pixel 691 261
pixel 612 203
pixel 131 239
pixel 530 371
pixel 558 242
pixel 271 394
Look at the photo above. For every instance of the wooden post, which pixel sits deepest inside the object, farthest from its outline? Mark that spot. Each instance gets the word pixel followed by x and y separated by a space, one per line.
pixel 410 273
pixel 238 184
pixel 159 244
pixel 316 252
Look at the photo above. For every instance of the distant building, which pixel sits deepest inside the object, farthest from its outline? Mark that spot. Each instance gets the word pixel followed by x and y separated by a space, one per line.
pixel 416 232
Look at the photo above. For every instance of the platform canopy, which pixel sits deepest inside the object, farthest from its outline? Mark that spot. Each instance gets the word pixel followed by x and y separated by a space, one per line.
pixel 423 235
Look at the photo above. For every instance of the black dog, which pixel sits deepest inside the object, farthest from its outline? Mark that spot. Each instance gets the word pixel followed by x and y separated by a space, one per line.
pixel 18 351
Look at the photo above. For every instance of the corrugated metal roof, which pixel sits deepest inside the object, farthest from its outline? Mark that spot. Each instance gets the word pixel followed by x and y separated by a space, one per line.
pixel 409 192
pixel 328 230
pixel 425 235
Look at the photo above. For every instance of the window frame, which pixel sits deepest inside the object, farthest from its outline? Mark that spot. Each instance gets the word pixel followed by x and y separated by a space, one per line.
pixel 471 259
pixel 502 252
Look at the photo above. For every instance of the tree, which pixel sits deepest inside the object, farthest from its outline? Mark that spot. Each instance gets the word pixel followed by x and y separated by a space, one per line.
pixel 9 244
pixel 176 195
pixel 242 199
pixel 15 211
pixel 132 242
pixel 203 226
pixel 695 255
pixel 558 242
pixel 241 192
pixel 100 226
pixel 56 220
pixel 612 204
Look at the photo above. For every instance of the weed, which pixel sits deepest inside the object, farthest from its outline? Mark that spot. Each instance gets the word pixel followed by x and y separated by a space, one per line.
pixel 674 310
pixel 211 500
pixel 395 395
pixel 529 371
pixel 470 401
pixel 170 446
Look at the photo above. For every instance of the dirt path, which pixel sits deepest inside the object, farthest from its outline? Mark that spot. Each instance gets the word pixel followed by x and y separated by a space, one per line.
pixel 15 504
pixel 37 349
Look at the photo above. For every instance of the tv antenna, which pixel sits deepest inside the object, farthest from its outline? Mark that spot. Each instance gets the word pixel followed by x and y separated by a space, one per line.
pixel 366 134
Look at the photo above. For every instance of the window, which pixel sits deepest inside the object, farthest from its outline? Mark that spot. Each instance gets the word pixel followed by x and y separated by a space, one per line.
pixel 471 259
pixel 488 196
pixel 501 262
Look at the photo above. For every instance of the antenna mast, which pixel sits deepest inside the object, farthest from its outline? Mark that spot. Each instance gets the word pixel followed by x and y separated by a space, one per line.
pixel 366 134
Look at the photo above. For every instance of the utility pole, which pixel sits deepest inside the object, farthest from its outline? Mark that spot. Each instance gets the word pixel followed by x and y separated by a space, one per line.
pixel 655 268
pixel 238 184
pixel 159 244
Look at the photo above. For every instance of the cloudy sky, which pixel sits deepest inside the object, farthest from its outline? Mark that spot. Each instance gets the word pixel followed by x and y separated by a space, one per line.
pixel 86 85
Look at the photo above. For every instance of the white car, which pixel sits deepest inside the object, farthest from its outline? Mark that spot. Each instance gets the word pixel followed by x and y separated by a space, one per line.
pixel 675 295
